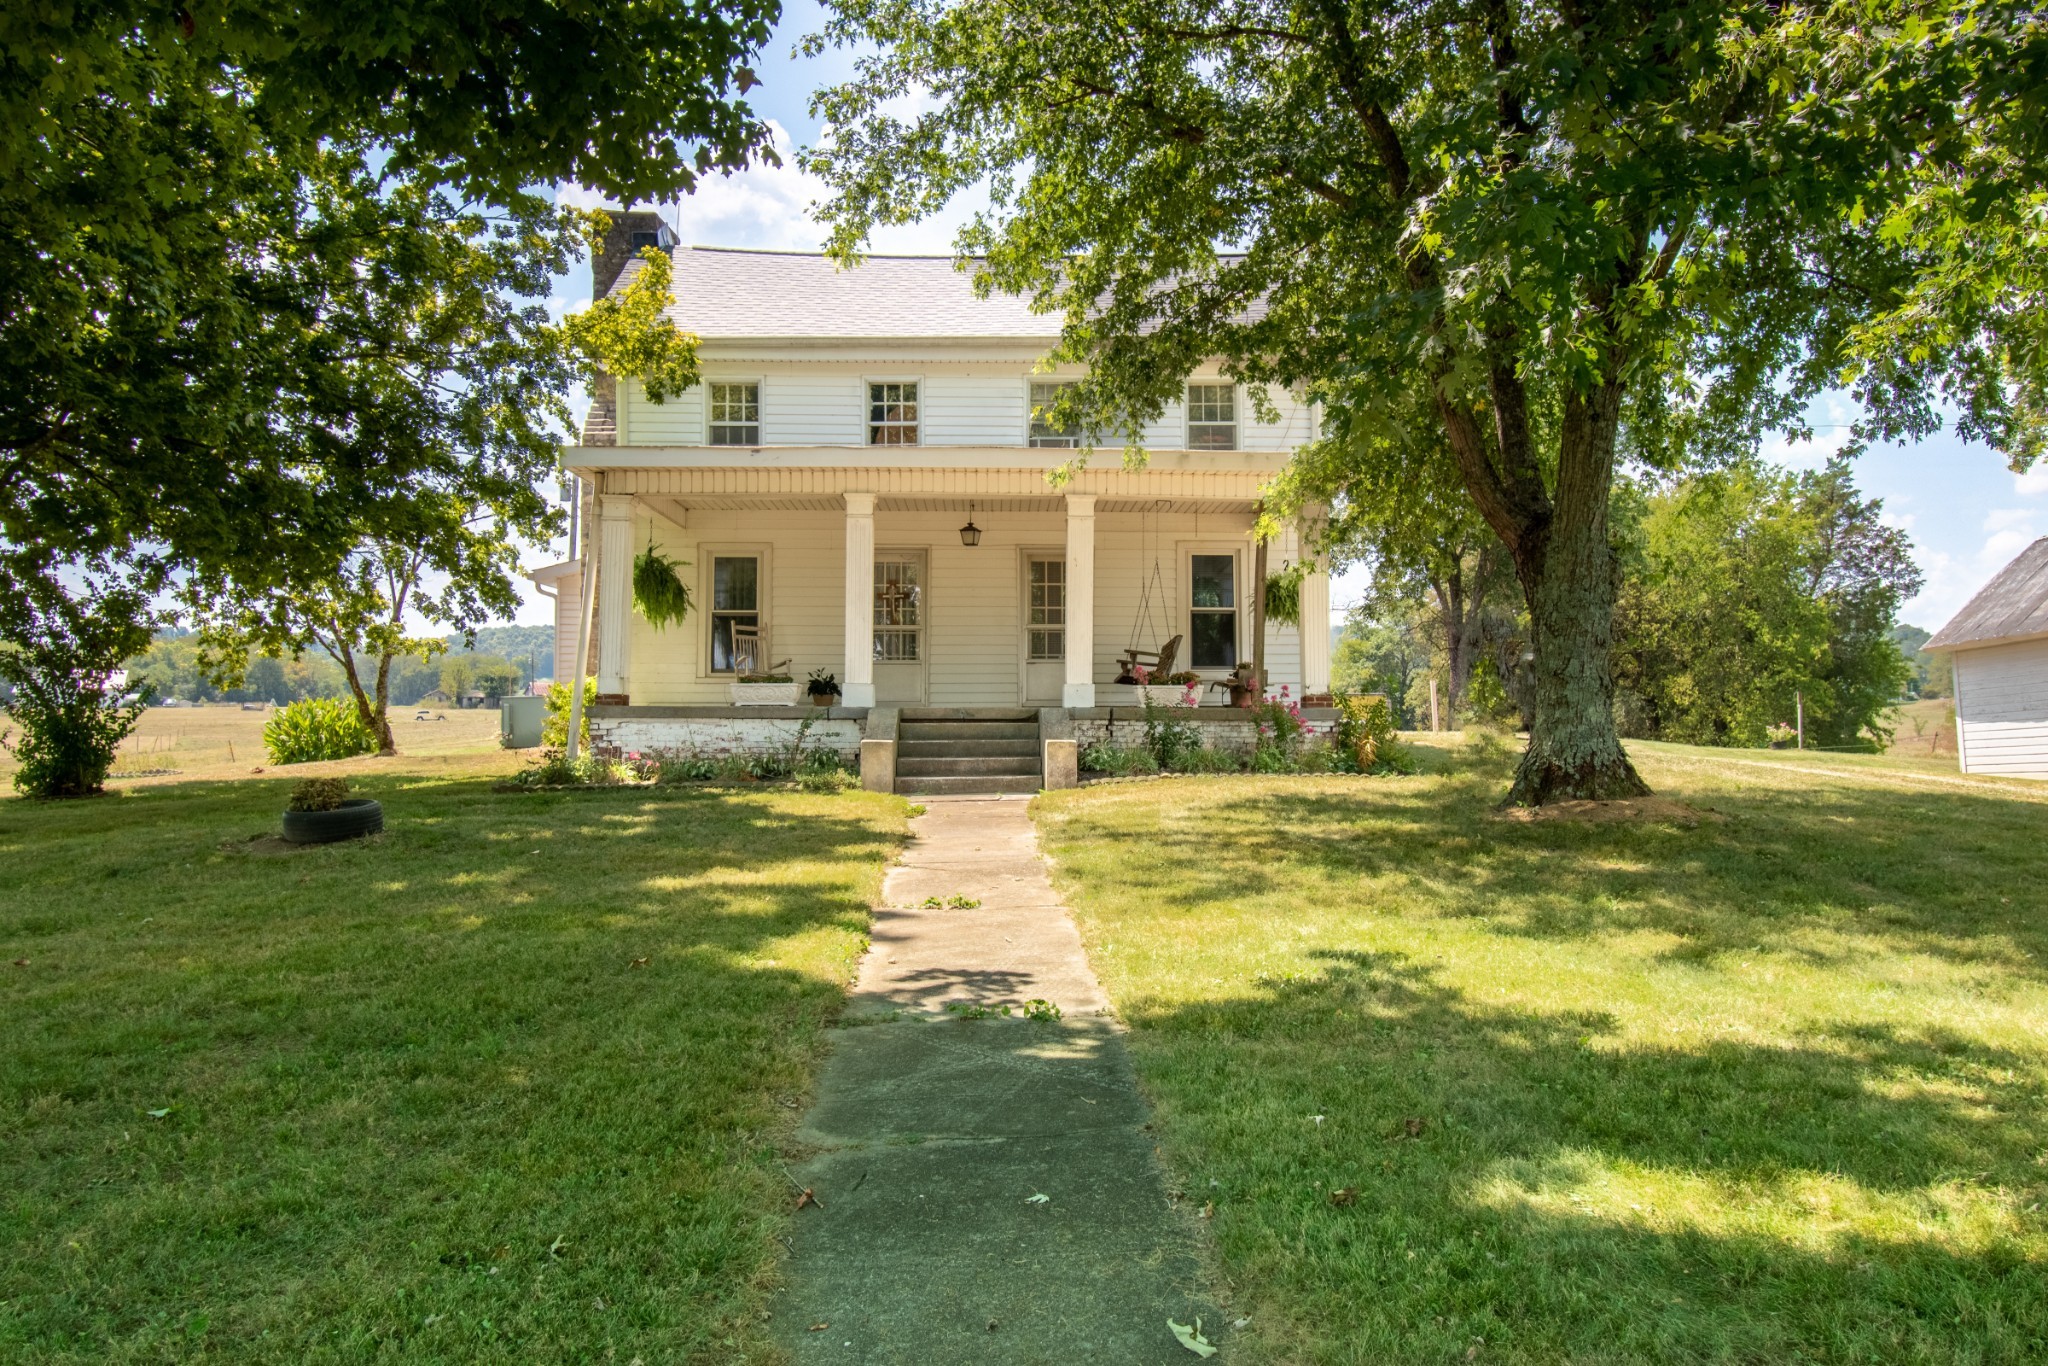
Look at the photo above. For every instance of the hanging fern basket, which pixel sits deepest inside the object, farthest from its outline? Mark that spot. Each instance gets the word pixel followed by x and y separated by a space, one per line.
pixel 658 590
pixel 1283 596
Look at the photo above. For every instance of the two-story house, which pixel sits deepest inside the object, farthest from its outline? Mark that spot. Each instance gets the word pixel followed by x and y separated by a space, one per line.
pixel 860 484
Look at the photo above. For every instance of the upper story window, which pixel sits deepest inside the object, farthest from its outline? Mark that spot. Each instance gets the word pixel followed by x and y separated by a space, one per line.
pixel 644 240
pixel 1045 393
pixel 1212 417
pixel 892 414
pixel 735 415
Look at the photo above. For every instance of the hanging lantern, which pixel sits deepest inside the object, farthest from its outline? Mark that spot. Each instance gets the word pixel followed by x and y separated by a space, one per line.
pixel 970 534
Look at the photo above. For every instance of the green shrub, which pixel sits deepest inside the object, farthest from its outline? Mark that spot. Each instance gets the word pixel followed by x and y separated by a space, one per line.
pixel 1167 736
pixel 1365 735
pixel 315 729
pixel 61 649
pixel 554 729
pixel 318 794
pixel 1201 760
pixel 1103 756
pixel 825 780
pixel 554 768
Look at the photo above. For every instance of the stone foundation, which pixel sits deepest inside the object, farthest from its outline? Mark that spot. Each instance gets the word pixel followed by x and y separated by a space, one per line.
pixel 718 731
pixel 1228 730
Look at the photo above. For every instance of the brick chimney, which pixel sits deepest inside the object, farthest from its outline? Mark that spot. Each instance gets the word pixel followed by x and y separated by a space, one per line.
pixel 631 231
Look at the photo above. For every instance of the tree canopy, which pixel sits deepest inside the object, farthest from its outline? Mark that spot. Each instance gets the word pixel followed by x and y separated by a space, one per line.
pixel 217 225
pixel 1584 232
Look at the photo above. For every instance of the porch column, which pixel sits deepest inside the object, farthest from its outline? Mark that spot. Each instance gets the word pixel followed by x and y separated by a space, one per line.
pixel 857 688
pixel 1080 686
pixel 615 597
pixel 1315 629
pixel 1315 614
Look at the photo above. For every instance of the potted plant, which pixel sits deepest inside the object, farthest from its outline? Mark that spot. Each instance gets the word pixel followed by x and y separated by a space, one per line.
pixel 1243 692
pixel 823 688
pixel 322 812
pixel 765 690
pixel 1781 736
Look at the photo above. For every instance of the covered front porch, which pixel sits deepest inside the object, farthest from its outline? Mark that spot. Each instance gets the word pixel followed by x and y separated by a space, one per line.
pixel 873 577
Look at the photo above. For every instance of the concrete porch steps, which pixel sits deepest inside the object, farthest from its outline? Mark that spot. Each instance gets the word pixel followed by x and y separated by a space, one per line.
pixel 941 753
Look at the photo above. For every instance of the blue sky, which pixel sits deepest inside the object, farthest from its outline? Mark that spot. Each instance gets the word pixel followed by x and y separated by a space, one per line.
pixel 1966 512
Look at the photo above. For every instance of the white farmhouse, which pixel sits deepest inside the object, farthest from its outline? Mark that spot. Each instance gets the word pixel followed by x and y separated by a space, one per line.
pixel 859 486
pixel 2000 647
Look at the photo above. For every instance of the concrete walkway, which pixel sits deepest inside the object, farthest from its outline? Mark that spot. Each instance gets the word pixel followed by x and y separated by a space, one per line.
pixel 934 1135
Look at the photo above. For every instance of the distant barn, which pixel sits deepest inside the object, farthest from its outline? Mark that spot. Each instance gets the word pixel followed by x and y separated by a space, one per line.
pixel 2000 645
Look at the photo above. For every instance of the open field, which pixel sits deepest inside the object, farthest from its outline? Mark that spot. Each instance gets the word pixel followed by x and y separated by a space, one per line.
pixel 1771 1087
pixel 1925 730
pixel 219 742
pixel 503 1084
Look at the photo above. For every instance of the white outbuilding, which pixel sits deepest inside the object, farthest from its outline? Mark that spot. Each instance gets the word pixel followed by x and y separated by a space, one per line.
pixel 1999 644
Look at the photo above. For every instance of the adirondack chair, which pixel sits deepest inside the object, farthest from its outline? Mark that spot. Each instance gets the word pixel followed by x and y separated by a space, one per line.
pixel 1156 664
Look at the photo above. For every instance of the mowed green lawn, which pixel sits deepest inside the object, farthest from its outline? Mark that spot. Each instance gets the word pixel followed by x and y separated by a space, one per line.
pixel 505 1084
pixel 1770 1089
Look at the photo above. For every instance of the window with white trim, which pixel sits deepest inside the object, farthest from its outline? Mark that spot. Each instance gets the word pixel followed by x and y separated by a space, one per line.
pixel 1212 417
pixel 1212 611
pixel 735 414
pixel 892 413
pixel 1045 393
pixel 735 601
pixel 1048 609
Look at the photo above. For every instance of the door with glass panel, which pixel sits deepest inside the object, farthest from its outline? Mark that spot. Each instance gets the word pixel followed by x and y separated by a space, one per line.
pixel 1045 629
pixel 900 627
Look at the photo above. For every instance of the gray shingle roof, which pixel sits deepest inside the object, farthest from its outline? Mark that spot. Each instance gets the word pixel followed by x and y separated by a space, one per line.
pixel 727 292
pixel 2014 603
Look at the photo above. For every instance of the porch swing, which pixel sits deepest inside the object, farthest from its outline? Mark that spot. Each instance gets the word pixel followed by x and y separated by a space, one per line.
pixel 1138 665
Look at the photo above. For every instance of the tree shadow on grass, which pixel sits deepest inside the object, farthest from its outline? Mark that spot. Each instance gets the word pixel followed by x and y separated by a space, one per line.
pixel 433 1095
pixel 1815 874
pixel 1527 1182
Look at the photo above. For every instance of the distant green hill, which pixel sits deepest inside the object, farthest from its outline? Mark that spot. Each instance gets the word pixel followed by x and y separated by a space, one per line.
pixel 516 643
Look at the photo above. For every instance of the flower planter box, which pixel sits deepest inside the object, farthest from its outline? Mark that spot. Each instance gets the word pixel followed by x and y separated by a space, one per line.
pixel 766 694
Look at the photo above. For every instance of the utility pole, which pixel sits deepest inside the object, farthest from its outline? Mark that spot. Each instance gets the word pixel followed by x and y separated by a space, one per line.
pixel 1799 711
pixel 1433 726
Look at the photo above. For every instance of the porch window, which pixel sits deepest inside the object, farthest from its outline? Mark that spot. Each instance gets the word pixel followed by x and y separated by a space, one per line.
pixel 892 414
pixel 1048 636
pixel 735 601
pixel 1212 612
pixel 1045 393
pixel 1212 417
pixel 899 615
pixel 735 414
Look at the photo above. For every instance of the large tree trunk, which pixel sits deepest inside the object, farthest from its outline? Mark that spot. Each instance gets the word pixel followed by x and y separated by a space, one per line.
pixel 380 720
pixel 1568 575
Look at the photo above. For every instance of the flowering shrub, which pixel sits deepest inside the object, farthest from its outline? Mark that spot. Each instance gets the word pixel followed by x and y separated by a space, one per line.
pixel 1280 730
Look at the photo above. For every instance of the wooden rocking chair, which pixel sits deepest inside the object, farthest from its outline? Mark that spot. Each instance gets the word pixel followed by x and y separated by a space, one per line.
pixel 1155 663
pixel 749 649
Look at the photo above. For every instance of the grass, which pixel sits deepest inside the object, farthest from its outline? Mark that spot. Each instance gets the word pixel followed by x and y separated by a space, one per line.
pixel 1461 1088
pixel 504 1084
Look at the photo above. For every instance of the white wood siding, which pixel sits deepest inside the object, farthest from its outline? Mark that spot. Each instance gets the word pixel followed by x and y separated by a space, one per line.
pixel 2002 709
pixel 974 410
pixel 813 409
pixel 677 421
pixel 982 404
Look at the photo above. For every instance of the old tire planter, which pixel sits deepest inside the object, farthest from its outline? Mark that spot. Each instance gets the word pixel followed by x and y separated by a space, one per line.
pixel 353 819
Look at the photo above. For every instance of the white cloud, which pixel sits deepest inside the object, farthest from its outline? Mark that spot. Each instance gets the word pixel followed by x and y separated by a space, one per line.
pixel 2001 519
pixel 2033 483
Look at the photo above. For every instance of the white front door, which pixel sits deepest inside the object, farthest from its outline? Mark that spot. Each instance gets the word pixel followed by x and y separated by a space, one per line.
pixel 900 634
pixel 1045 629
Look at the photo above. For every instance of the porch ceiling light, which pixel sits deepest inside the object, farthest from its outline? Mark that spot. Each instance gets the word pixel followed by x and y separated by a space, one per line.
pixel 970 534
